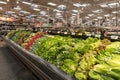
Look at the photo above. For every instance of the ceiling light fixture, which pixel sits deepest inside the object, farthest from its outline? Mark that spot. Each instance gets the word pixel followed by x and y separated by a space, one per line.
pixel 27 3
pixel 98 11
pixel 90 14
pixel 36 9
pixel 76 11
pixel 52 4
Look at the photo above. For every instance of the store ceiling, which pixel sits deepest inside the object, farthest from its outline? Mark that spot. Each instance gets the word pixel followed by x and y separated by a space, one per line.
pixel 89 9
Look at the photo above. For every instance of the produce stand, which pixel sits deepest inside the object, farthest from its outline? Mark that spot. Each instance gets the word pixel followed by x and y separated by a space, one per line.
pixel 41 68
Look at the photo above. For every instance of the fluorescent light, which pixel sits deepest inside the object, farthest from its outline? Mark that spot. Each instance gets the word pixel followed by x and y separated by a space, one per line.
pixel 103 5
pixel 36 9
pixel 113 5
pixel 25 12
pixel 58 14
pixel 76 5
pixel 57 10
pixel 90 14
pixel 107 15
pixel 52 4
pixel 10 12
pixel 74 14
pixel 2 2
pixel 98 11
pixel 27 3
pixel 99 17
pixel 76 11
pixel 114 12
pixel 80 5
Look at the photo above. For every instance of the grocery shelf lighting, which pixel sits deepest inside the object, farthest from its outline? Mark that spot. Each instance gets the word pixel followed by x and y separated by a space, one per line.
pixel 52 4
pixel 27 3
pixel 2 2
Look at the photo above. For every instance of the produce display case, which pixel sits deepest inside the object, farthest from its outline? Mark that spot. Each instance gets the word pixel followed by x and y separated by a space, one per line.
pixel 41 68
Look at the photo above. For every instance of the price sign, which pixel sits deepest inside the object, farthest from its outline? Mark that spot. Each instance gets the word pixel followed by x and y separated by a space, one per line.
pixel 97 35
pixel 114 37
pixel 73 34
pixel 65 32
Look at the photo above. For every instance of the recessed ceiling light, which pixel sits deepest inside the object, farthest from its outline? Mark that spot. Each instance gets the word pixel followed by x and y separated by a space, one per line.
pixel 52 4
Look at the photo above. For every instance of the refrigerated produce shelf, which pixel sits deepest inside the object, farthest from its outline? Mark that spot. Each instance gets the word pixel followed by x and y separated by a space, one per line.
pixel 41 68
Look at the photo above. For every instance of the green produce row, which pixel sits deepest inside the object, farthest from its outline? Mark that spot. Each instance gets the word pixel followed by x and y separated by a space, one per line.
pixel 90 59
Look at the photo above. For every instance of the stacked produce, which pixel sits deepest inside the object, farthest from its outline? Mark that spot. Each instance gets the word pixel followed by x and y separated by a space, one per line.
pixel 90 59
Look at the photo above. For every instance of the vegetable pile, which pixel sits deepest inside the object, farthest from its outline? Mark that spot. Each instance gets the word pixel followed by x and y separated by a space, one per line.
pixel 90 59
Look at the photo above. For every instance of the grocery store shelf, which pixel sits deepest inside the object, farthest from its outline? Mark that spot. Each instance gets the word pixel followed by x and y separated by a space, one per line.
pixel 41 68
pixel 11 68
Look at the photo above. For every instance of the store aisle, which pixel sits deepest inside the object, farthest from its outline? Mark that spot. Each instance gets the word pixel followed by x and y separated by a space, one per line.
pixel 11 68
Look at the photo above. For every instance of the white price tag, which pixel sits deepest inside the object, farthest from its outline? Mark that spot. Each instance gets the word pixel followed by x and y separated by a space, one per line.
pixel 65 32
pixel 97 35
pixel 114 37
pixel 73 34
